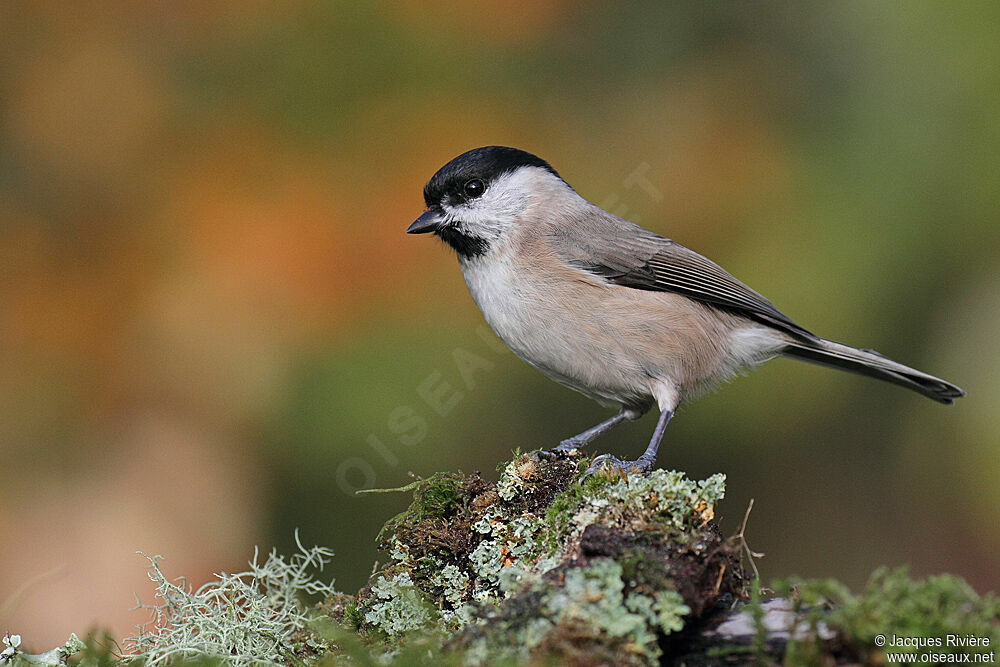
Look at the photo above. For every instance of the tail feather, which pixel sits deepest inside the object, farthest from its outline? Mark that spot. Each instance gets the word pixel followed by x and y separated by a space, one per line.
pixel 871 363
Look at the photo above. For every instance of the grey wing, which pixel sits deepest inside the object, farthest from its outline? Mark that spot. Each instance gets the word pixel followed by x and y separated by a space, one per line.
pixel 628 255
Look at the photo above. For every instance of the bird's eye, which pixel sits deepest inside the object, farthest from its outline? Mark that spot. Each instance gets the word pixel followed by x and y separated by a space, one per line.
pixel 473 188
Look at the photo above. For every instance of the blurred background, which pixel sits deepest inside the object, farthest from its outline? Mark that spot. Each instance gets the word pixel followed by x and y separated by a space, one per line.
pixel 213 329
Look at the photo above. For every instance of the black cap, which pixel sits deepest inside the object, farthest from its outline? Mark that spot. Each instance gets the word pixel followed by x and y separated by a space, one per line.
pixel 486 163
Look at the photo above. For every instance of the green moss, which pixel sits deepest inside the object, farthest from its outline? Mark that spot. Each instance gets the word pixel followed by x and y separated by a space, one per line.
pixel 99 651
pixel 559 514
pixel 434 497
pixel 438 495
pixel 528 567
pixel 548 566
pixel 894 605
pixel 353 617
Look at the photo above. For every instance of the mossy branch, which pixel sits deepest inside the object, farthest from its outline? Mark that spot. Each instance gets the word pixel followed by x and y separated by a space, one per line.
pixel 546 565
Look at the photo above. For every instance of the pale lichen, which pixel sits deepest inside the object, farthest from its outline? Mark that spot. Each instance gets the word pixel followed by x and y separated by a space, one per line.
pixel 517 569
pixel 594 596
pixel 398 606
pixel 567 569
pixel 248 618
pixel 57 657
pixel 510 483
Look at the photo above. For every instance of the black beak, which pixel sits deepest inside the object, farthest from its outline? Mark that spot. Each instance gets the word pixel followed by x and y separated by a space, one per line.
pixel 429 221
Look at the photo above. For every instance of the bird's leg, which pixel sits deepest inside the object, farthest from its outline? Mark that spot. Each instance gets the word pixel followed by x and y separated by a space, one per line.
pixel 645 462
pixel 580 439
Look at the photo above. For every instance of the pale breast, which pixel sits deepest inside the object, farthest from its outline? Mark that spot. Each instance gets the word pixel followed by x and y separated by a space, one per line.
pixel 545 319
pixel 508 302
pixel 612 343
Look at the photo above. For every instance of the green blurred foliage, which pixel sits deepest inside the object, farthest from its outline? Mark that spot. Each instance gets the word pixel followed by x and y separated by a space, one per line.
pixel 201 215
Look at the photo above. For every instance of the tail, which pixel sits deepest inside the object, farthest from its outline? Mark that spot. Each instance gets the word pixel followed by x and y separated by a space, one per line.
pixel 871 363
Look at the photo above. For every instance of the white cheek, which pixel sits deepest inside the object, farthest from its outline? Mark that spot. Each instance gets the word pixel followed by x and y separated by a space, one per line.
pixel 491 215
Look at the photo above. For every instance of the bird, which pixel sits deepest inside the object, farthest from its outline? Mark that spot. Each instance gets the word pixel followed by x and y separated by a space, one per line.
pixel 603 306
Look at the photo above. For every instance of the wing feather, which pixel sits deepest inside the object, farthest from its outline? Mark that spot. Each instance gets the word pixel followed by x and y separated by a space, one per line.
pixel 628 255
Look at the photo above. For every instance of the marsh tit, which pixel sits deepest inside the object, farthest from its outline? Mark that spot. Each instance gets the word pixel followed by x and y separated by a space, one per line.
pixel 618 313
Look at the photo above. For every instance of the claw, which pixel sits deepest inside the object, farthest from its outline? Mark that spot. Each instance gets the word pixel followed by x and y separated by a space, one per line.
pixel 606 463
pixel 564 448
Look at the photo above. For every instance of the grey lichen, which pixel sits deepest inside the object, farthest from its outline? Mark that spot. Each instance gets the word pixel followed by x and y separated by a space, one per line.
pixel 594 596
pixel 397 606
pixel 549 562
pixel 248 618
pixel 545 566
pixel 57 657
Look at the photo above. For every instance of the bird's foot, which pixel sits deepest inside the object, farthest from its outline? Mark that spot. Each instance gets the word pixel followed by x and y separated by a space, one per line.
pixel 564 448
pixel 607 463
